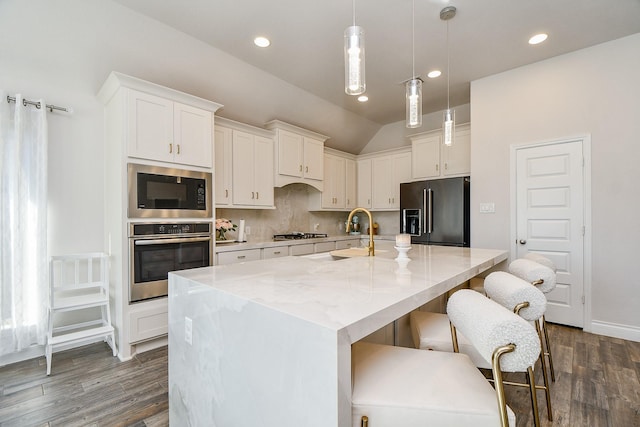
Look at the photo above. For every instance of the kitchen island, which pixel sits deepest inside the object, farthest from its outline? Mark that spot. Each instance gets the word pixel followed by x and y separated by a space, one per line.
pixel 268 343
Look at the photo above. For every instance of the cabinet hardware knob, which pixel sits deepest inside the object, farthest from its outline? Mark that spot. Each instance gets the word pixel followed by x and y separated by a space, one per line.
pixel 523 242
pixel 300 168
pixel 170 148
pixel 226 193
pixel 178 146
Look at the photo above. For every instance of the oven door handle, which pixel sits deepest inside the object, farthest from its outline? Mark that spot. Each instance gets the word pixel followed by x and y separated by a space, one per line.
pixel 146 242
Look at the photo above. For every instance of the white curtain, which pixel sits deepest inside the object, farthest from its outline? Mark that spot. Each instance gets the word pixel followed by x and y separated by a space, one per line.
pixel 24 286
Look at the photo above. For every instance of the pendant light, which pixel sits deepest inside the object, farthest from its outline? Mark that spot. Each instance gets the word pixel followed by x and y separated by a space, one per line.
pixel 354 82
pixel 413 92
pixel 449 120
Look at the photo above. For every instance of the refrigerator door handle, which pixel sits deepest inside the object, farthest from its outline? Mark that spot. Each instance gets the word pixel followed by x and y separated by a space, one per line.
pixel 430 211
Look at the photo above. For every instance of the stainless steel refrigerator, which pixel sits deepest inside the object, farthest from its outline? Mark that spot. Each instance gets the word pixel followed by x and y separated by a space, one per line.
pixel 436 212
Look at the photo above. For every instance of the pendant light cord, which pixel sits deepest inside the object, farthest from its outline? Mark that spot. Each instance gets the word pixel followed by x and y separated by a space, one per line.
pixel 448 66
pixel 413 38
pixel 354 13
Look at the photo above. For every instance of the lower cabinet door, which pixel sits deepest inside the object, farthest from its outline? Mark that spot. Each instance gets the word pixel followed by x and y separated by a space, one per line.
pixel 148 323
pixel 238 256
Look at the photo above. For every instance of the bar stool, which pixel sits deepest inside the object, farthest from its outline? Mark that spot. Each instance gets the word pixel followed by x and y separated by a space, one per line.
pixel 541 272
pixel 396 386
pixel 430 331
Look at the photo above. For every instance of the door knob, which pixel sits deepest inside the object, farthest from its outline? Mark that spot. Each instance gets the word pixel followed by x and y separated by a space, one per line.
pixel 523 242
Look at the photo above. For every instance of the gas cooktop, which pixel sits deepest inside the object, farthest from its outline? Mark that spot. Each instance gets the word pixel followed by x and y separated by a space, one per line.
pixel 298 235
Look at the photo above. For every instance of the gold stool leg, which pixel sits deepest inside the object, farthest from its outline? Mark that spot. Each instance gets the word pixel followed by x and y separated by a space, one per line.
pixel 545 378
pixel 547 348
pixel 534 398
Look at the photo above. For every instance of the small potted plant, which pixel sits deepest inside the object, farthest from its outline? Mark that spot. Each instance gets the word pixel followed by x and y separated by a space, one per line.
pixel 222 226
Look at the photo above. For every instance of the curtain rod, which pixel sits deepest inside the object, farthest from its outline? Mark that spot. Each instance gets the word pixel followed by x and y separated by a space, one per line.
pixel 26 102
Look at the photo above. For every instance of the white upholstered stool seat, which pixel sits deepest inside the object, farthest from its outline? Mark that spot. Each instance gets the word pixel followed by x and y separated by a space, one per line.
pixel 432 331
pixel 397 386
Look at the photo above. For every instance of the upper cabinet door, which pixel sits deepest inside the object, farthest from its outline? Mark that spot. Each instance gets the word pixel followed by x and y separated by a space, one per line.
pixel 167 131
pixel 350 184
pixel 425 159
pixel 150 127
pixel 223 159
pixel 290 148
pixel 457 158
pixel 192 136
pixel 313 159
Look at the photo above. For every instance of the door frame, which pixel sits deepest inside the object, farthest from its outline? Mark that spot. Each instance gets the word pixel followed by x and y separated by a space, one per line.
pixel 586 170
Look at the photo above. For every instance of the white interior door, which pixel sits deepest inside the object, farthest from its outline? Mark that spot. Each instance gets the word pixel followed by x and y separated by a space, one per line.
pixel 550 220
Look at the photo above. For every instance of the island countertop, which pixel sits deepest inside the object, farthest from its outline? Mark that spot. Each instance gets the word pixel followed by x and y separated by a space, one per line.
pixel 283 328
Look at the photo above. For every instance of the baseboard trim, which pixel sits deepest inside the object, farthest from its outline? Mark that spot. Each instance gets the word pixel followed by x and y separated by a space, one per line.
pixel 616 330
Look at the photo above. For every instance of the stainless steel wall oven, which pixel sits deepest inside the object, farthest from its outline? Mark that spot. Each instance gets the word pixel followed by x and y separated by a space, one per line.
pixel 155 249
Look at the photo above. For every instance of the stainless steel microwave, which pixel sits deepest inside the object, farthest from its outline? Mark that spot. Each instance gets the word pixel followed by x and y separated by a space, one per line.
pixel 157 192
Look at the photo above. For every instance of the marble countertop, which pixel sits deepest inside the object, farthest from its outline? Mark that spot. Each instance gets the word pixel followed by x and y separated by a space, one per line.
pixel 355 296
pixel 236 246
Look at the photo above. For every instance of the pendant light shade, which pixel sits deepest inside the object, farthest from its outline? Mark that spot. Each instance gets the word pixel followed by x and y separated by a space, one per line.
pixel 413 92
pixel 449 119
pixel 448 126
pixel 414 103
pixel 354 75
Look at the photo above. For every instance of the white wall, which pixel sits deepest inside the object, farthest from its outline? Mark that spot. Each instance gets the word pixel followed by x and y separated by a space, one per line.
pixel 595 91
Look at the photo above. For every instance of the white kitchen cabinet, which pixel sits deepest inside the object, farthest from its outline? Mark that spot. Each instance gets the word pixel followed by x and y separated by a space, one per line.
pixel 333 195
pixel 388 171
pixel 339 186
pixel 324 247
pixel 299 155
pixel 275 252
pixel 168 131
pixel 148 322
pixel 224 163
pixel 252 170
pixel 364 184
pixel 233 257
pixel 346 244
pixel 304 249
pixel 350 184
pixel 456 158
pixel 432 159
pixel 425 156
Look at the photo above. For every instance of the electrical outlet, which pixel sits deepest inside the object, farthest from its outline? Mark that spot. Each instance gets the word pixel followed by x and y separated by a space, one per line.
pixel 188 330
pixel 247 230
pixel 487 207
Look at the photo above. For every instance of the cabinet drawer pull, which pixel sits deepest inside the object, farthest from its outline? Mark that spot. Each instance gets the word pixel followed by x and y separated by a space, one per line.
pixel 306 169
pixel 170 148
pixel 253 195
pixel 276 252
pixel 300 168
pixel 178 147
pixel 241 256
pixel 226 193
pixel 257 194
pixel 437 166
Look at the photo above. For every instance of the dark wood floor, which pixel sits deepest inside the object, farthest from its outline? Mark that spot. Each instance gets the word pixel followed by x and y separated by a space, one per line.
pixel 597 384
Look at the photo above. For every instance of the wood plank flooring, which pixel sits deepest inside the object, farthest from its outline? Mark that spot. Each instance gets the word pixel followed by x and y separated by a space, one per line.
pixel 597 384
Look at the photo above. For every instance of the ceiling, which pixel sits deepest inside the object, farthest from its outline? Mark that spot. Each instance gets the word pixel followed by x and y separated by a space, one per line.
pixel 485 37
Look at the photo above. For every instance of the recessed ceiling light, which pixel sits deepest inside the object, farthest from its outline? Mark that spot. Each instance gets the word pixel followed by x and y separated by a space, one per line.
pixel 363 98
pixel 538 38
pixel 433 74
pixel 261 41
